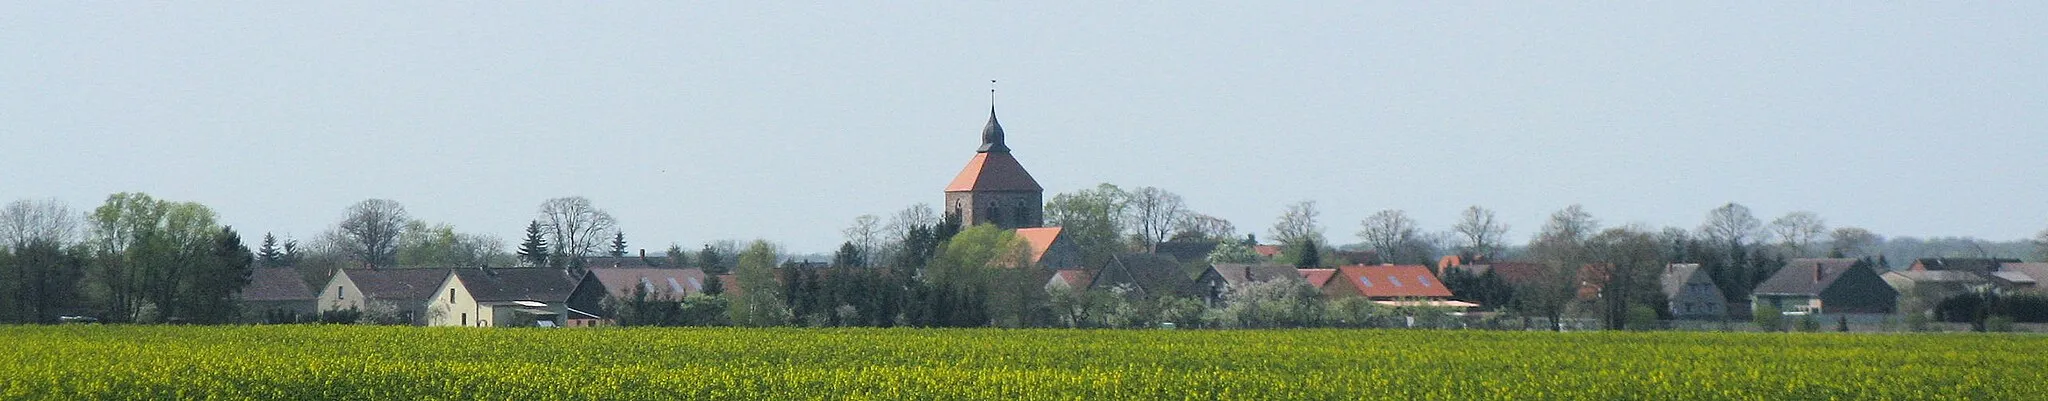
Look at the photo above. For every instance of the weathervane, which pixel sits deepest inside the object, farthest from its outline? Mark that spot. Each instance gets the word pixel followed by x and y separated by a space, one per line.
pixel 991 94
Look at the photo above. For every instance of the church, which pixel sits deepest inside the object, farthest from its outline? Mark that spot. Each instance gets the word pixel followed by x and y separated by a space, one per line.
pixel 995 189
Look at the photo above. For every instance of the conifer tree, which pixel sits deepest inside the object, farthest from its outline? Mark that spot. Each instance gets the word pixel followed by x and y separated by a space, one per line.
pixel 268 254
pixel 619 244
pixel 534 251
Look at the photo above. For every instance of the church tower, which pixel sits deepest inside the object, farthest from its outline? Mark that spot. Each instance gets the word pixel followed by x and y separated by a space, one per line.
pixel 994 188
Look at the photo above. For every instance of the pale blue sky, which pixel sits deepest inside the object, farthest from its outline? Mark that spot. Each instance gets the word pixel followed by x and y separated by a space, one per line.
pixel 701 121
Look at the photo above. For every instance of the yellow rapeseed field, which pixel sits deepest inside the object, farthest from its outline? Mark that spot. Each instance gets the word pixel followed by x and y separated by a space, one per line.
pixel 384 363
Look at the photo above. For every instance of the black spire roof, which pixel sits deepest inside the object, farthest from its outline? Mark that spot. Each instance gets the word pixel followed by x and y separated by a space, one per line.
pixel 992 135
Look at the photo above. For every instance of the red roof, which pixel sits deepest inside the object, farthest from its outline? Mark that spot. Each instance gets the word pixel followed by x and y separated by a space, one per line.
pixel 1266 250
pixel 1317 277
pixel 1041 239
pixel 993 171
pixel 1387 281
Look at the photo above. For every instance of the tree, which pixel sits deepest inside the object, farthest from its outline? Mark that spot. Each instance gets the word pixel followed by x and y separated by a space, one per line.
pixel 209 293
pixel 148 254
pixel 1481 233
pixel 618 244
pixel 269 254
pixel 714 285
pixel 2041 246
pixel 1202 227
pixel 676 257
pixel 1852 242
pixel 534 250
pixel 369 233
pixel 1306 254
pixel 760 302
pixel 26 221
pixel 423 244
pixel 1630 260
pixel 1298 224
pixel 1797 232
pixel 1233 252
pixel 1092 219
pixel 1731 225
pixel 848 256
pixel 1153 213
pixel 1561 249
pixel 574 226
pixel 711 260
pixel 1395 237
pixel 865 235
pixel 39 280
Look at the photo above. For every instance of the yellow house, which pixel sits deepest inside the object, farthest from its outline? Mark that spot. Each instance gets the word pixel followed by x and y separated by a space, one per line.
pixel 402 293
pixel 489 297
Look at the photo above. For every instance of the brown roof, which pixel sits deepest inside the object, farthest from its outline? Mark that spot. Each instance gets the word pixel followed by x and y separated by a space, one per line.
pixel 1266 250
pixel 993 172
pixel 1391 281
pixel 1799 277
pixel 1240 273
pixel 2035 271
pixel 658 283
pixel 1154 275
pixel 276 284
pixel 536 284
pixel 1974 265
pixel 398 284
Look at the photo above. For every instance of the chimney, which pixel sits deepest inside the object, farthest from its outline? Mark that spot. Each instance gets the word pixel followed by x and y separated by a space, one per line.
pixel 1247 273
pixel 643 253
pixel 1818 270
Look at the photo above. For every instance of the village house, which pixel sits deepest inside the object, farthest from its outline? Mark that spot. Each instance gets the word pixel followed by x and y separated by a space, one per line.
pixel 1829 286
pixel 1050 248
pixel 1217 281
pixel 1972 265
pixel 277 295
pixel 598 292
pixel 1692 294
pixel 2022 276
pixel 1316 278
pixel 401 293
pixel 1934 285
pixel 1391 285
pixel 490 297
pixel 1141 276
pixel 1069 280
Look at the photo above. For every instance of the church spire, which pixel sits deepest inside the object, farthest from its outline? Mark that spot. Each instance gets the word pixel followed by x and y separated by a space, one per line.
pixel 992 134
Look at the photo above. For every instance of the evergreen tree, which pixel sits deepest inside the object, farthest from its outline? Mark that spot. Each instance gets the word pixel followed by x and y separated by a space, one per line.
pixel 1310 254
pixel 710 260
pixel 848 256
pixel 619 244
pixel 534 251
pixel 268 254
pixel 713 285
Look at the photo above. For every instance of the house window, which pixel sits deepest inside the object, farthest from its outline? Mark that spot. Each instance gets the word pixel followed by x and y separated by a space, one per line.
pixel 465 319
pixel 340 292
pixel 1365 280
pixel 451 295
pixel 1396 281
pixel 1422 279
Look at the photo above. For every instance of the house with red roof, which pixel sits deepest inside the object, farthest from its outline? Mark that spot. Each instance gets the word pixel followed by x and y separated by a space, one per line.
pixel 1392 285
pixel 1050 248
pixel 1317 277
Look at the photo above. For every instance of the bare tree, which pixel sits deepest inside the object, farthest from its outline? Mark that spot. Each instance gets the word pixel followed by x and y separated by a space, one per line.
pixel 1153 213
pixel 1629 260
pixel 574 226
pixel 1202 226
pixel 1852 242
pixel 25 221
pixel 369 233
pixel 1298 223
pixel 1732 225
pixel 1797 232
pixel 1481 232
pixel 1393 235
pixel 865 234
pixel 1561 249
pixel 912 216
